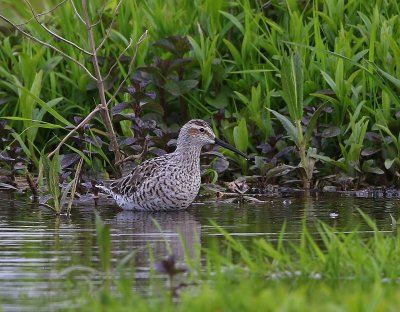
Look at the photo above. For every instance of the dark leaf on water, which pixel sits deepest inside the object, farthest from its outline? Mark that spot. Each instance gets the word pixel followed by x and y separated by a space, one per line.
pixel 330 132
pixel 120 117
pixel 284 152
pixel 279 171
pixel 373 136
pixel 128 141
pixel 97 142
pixel 69 159
pixel 369 151
pixel 136 148
pixel 265 148
pixel 119 108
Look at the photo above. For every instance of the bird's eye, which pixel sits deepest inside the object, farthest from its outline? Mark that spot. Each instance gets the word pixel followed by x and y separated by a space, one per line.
pixel 201 129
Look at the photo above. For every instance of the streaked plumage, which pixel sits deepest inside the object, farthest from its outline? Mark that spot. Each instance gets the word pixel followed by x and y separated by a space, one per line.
pixel 171 181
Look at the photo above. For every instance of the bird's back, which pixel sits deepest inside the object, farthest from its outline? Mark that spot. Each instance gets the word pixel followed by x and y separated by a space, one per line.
pixel 161 183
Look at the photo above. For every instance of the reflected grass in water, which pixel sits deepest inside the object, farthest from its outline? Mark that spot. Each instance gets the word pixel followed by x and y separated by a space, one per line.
pixel 246 259
pixel 324 270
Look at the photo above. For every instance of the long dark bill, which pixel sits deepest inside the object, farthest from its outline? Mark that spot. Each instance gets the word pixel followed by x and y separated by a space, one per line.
pixel 230 147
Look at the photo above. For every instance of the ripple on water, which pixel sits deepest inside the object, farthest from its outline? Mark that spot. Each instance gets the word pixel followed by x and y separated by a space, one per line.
pixel 36 246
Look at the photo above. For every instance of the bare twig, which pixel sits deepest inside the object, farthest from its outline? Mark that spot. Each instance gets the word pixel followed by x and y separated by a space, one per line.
pixel 80 125
pixel 47 45
pixel 77 13
pixel 116 62
pixel 32 185
pixel 141 39
pixel 43 13
pixel 53 33
pixel 109 27
pixel 100 86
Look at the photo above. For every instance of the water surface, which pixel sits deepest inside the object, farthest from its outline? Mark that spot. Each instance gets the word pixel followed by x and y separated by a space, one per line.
pixel 36 246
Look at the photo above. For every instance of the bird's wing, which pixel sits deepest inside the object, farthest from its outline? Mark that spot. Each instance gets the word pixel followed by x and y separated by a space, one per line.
pixel 129 184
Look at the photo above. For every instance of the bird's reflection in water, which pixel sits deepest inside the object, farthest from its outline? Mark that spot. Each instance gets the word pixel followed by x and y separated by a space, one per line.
pixel 161 233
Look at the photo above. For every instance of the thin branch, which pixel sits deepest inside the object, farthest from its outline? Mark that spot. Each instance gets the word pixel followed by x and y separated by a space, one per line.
pixel 111 25
pixel 116 62
pixel 80 125
pixel 32 185
pixel 141 39
pixel 47 45
pixel 44 13
pixel 105 114
pixel 77 13
pixel 53 33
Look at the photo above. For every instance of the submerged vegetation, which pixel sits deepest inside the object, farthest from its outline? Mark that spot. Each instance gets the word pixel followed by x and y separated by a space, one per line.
pixel 310 89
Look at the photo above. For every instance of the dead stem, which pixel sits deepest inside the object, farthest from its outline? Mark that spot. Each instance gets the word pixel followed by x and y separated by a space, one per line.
pixel 100 86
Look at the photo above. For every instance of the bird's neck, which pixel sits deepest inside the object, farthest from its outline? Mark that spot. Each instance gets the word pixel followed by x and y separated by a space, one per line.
pixel 188 154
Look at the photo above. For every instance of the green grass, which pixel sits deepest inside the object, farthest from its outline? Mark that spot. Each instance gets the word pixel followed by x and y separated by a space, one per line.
pixel 348 52
pixel 326 270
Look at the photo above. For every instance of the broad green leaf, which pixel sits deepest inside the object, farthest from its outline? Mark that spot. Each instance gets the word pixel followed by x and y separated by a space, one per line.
pixel 242 97
pixel 292 85
pixel 234 20
pixel 38 123
pixel 234 52
pixel 288 125
pixel 241 136
pixel 43 104
pixel 329 81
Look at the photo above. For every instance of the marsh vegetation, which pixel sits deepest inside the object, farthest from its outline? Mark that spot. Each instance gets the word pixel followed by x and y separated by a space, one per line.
pixel 309 89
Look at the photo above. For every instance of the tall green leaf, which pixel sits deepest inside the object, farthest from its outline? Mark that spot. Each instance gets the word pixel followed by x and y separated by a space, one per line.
pixel 241 136
pixel 292 85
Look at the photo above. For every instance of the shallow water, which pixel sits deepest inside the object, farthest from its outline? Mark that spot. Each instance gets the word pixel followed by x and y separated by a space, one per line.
pixel 36 246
